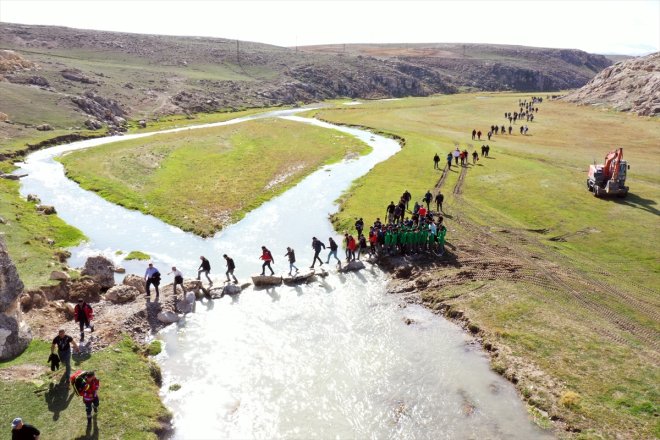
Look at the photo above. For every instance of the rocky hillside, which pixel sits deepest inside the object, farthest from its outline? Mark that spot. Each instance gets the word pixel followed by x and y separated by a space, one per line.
pixel 632 85
pixel 67 78
pixel 486 66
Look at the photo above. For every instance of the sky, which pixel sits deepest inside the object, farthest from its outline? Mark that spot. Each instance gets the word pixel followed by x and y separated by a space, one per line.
pixel 630 27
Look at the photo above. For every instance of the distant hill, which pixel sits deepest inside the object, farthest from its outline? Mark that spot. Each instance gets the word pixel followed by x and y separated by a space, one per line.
pixel 632 85
pixel 485 66
pixel 64 76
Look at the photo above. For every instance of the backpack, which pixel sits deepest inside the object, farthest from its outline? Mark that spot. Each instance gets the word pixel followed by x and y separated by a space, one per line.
pixel 78 381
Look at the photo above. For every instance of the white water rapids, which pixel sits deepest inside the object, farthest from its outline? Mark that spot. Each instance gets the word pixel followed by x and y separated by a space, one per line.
pixel 331 359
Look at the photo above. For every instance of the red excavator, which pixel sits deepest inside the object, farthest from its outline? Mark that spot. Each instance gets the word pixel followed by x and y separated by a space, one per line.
pixel 609 178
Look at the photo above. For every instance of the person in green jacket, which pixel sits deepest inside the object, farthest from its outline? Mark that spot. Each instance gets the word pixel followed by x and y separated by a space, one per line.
pixel 442 232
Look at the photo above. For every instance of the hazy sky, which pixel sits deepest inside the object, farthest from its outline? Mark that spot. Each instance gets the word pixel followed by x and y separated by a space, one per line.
pixel 599 26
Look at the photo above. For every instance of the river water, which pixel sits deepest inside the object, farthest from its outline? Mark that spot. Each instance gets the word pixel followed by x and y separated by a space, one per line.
pixel 331 359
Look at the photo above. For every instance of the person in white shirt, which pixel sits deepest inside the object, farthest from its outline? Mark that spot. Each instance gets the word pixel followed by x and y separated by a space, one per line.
pixel 178 280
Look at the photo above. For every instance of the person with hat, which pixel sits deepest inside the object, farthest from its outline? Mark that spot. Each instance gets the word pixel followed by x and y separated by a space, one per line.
pixel 63 343
pixel 23 431
pixel 83 315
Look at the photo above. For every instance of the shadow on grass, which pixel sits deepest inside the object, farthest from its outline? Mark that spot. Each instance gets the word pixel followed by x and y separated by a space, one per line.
pixel 58 398
pixel 92 432
pixel 638 202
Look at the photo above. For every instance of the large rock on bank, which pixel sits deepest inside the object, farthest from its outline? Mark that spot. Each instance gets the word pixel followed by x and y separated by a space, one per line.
pixel 121 293
pixel 15 334
pixel 101 270
pixel 135 281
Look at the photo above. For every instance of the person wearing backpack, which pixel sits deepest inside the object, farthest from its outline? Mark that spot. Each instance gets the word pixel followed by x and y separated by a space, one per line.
pixel 83 315
pixel 152 277
pixel 90 395
pixel 267 257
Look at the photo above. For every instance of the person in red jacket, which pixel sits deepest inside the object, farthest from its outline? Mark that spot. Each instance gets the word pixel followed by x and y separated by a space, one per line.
pixel 90 395
pixel 268 258
pixel 83 315
pixel 352 245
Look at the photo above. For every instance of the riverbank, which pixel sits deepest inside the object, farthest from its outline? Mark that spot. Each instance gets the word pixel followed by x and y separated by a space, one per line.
pixel 226 171
pixel 562 298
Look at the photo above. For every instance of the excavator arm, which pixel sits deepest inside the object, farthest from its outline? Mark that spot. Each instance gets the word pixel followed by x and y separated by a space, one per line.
pixel 611 165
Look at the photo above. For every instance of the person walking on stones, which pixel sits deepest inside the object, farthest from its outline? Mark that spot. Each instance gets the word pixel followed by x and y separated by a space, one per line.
pixel 152 277
pixel 205 268
pixel 90 395
pixel 333 251
pixel 23 431
pixel 292 259
pixel 63 343
pixel 439 198
pixel 231 266
pixel 178 281
pixel 436 161
pixel 317 245
pixel 267 258
pixel 83 315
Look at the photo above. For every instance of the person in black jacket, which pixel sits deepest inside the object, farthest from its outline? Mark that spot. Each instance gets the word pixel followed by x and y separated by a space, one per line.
pixel 317 245
pixel 333 251
pixel 204 268
pixel 292 259
pixel 230 268
pixel 21 431
pixel 439 198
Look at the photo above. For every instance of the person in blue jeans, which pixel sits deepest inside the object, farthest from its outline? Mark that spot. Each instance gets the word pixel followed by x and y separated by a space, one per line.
pixel 333 251
pixel 292 259
pixel 63 344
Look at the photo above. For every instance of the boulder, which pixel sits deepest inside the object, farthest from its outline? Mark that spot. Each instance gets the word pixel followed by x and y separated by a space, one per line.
pixel 101 270
pixel 352 266
pixel 193 285
pixel 86 288
pixel 38 300
pixel 119 269
pixel 10 176
pixel 142 123
pixel 167 317
pixel 15 335
pixel 33 198
pixel 76 75
pixel 188 304
pixel 58 275
pixel 46 209
pixel 121 293
pixel 44 127
pixel 93 124
pixel 135 281
pixel 26 302
pixel 63 308
pixel 4 117
pixel 231 289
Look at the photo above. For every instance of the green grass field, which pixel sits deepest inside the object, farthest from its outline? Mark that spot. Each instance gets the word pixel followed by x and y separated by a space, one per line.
pixel 580 312
pixel 226 171
pixel 27 234
pixel 129 403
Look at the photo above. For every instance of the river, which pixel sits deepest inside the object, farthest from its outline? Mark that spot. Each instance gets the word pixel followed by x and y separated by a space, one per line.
pixel 331 359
